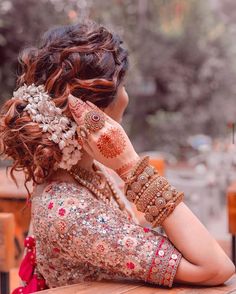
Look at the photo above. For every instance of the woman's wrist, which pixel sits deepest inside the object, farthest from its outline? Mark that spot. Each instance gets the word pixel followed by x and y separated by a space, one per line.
pixel 151 193
pixel 127 166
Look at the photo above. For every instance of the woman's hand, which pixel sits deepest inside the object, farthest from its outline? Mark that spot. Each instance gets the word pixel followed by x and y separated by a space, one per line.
pixel 103 138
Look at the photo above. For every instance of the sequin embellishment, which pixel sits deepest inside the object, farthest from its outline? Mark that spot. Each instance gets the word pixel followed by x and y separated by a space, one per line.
pixel 80 238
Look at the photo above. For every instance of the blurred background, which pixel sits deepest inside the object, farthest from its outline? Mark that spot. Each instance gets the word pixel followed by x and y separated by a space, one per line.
pixel 181 84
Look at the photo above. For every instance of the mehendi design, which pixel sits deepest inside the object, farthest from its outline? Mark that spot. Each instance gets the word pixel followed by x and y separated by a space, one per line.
pixel 124 169
pixel 112 143
pixel 78 107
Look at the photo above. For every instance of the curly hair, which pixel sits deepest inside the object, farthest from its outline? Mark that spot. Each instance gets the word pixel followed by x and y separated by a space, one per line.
pixel 85 60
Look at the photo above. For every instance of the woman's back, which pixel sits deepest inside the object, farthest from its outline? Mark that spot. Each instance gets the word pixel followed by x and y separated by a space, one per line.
pixel 79 237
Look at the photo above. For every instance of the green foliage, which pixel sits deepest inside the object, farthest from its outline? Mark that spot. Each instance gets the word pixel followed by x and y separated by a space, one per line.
pixel 182 60
pixel 21 24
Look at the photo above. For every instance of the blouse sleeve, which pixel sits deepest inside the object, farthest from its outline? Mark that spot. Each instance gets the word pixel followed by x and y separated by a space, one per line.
pixel 108 239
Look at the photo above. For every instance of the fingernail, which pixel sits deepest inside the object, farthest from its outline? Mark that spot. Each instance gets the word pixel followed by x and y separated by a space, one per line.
pixel 73 101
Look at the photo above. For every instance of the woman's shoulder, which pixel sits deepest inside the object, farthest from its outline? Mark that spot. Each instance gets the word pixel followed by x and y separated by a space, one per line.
pixel 61 199
pixel 62 189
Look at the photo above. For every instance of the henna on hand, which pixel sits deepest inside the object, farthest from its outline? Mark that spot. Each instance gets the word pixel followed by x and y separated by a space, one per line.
pixel 102 136
pixel 111 143
pixel 78 108
pixel 124 169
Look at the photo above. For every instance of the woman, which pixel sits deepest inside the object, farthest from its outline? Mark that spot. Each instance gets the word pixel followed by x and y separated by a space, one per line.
pixel 62 129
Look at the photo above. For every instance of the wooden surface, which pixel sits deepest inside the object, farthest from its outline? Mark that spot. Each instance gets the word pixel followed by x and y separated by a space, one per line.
pixel 13 200
pixel 7 228
pixel 231 203
pixel 140 288
pixel 8 188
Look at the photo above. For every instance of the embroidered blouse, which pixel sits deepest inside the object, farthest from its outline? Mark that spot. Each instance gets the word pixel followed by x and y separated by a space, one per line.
pixel 81 238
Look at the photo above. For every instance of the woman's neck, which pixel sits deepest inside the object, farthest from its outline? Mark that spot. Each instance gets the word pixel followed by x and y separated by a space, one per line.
pixel 86 162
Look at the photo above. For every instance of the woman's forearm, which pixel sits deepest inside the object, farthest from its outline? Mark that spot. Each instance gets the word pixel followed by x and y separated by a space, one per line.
pixel 203 258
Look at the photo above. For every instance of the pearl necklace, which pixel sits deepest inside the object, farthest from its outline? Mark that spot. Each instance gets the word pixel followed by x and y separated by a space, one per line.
pixel 98 183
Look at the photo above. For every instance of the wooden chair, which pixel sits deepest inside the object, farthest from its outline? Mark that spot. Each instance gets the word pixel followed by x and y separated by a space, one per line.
pixel 7 228
pixel 231 205
pixel 13 200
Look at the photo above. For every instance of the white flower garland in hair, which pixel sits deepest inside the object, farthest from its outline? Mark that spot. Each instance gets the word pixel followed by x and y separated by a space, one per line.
pixel 62 130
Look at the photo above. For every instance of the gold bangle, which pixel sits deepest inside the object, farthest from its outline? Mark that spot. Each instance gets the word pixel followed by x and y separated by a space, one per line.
pixel 138 168
pixel 162 212
pixel 168 209
pixel 140 181
pixel 134 197
pixel 150 192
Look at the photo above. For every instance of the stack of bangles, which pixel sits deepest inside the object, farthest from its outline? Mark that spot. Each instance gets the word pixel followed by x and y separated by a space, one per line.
pixel 151 193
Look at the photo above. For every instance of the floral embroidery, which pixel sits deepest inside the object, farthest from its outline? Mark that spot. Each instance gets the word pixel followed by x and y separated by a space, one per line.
pixel 148 247
pixel 71 201
pixel 50 205
pixel 56 250
pixel 62 212
pixel 61 226
pixel 80 238
pixel 146 230
pixel 82 204
pixel 130 265
pixel 129 242
pixel 101 247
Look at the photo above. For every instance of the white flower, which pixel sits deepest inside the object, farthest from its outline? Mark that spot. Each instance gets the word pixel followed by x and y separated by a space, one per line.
pixel 33 111
pixel 62 144
pixel 70 134
pixel 58 130
pixel 63 165
pixel 64 121
pixel 51 128
pixel 36 99
pixel 38 117
pixel 43 110
pixel 45 127
pixel 65 136
pixel 27 107
pixel 54 138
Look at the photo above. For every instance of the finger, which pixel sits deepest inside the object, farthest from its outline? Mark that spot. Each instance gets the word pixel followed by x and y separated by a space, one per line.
pixel 86 115
pixel 84 143
pixel 88 149
pixel 83 134
pixel 85 147
pixel 78 108
pixel 107 117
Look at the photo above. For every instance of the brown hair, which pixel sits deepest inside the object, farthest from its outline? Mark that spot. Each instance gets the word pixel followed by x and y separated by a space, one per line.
pixel 85 60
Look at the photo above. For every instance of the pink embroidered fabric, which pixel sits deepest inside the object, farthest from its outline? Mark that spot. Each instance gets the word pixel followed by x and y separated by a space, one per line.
pixel 80 238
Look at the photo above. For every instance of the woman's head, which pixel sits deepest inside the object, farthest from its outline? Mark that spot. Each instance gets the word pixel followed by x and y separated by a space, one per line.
pixel 85 60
